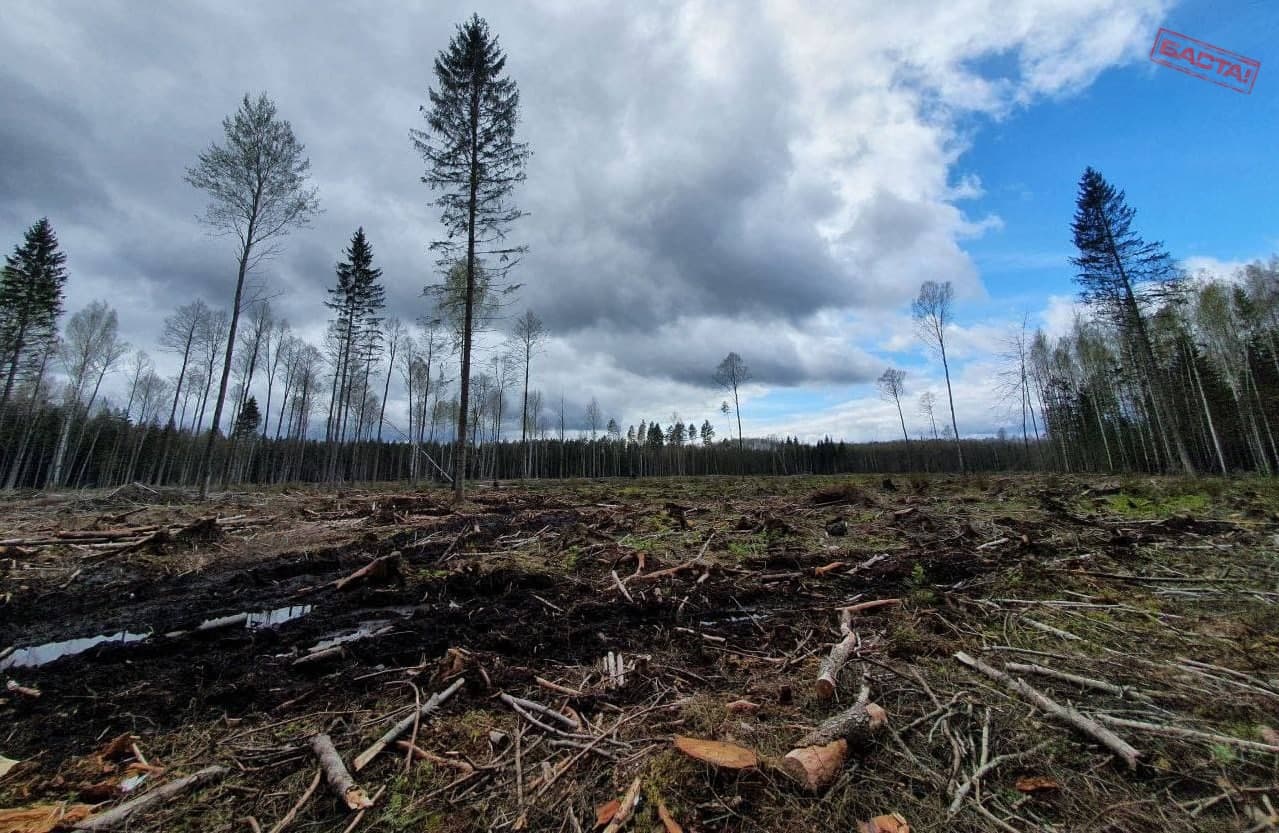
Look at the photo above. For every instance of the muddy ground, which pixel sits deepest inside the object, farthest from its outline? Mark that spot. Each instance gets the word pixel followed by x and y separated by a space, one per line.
pixel 1165 590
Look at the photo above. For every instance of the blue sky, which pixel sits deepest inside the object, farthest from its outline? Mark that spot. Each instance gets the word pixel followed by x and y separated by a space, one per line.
pixel 1196 160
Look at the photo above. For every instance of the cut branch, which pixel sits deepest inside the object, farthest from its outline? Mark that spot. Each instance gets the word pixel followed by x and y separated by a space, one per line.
pixel 436 700
pixel 336 773
pixel 1066 714
pixel 116 816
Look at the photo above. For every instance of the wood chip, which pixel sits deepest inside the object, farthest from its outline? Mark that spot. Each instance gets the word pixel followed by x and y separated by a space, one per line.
pixel 717 753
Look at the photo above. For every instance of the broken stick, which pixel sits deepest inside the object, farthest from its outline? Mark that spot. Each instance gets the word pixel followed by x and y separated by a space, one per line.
pixel 336 773
pixel 403 726
pixel 1066 714
pixel 116 816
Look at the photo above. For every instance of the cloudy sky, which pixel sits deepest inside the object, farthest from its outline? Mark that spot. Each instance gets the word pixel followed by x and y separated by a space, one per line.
pixel 773 178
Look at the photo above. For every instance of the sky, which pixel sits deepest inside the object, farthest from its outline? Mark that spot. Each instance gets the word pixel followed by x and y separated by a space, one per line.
pixel 771 178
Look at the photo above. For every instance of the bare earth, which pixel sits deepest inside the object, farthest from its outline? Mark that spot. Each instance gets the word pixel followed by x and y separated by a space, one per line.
pixel 1163 595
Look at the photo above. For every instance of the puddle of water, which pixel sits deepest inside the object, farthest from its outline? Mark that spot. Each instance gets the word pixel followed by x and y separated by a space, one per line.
pixel 259 619
pixel 38 655
pixel 271 618
pixel 364 631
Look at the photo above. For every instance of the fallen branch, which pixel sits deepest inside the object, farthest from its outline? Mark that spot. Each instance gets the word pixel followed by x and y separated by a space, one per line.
pixel 420 754
pixel 861 607
pixel 118 815
pixel 1066 714
pixel 519 703
pixel 336 773
pixel 1179 732
pixel 1086 682
pixel 436 700
pixel 828 672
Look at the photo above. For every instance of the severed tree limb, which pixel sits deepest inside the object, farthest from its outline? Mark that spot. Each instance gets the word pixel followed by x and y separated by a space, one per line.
pixel 1179 732
pixel 828 673
pixel 849 610
pixel 519 703
pixel 1087 682
pixel 116 816
pixel 421 754
pixel 436 700
pixel 1066 714
pixel 336 773
pixel 819 756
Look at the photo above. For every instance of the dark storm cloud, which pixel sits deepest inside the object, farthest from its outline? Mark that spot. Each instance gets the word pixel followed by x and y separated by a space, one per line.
pixel 663 185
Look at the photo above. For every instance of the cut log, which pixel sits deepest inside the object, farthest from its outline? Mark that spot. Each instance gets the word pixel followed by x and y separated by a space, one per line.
pixel 336 773
pixel 819 756
pixel 403 726
pixel 384 568
pixel 117 816
pixel 1066 714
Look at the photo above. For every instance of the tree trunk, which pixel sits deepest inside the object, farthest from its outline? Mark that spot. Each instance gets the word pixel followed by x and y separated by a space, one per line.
pixel 207 463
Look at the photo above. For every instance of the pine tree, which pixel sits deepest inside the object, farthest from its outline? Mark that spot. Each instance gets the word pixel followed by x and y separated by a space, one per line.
pixel 474 161
pixel 31 292
pixel 1118 271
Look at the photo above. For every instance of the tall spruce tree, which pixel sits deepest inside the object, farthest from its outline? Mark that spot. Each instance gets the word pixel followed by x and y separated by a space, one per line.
pixel 474 162
pixel 258 192
pixel 1118 271
pixel 31 292
pixel 356 300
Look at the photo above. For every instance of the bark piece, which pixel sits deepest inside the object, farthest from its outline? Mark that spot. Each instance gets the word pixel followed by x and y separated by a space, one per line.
pixel 437 700
pixel 117 816
pixel 336 773
pixel 717 753
pixel 1066 714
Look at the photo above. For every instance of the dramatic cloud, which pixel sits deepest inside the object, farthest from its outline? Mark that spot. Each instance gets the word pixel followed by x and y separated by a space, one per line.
pixel 773 178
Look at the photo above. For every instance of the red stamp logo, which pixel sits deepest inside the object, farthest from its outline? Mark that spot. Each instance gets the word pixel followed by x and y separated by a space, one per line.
pixel 1203 60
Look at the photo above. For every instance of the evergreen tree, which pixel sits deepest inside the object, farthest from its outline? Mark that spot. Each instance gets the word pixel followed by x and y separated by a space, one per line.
pixel 246 424
pixel 1118 271
pixel 474 161
pixel 356 300
pixel 30 302
pixel 708 433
